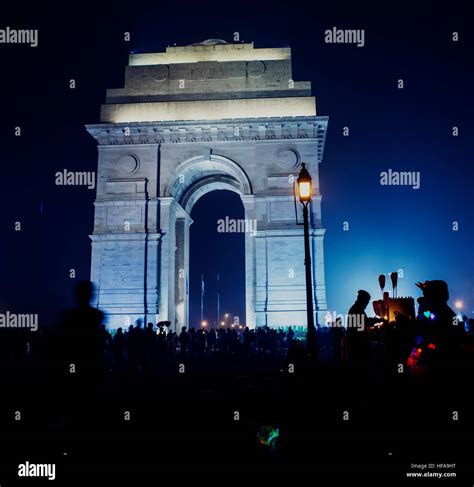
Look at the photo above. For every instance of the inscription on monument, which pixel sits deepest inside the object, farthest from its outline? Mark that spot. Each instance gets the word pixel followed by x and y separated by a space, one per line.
pixel 206 72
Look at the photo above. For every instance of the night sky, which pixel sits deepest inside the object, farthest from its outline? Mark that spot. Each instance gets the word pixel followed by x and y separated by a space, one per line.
pixel 390 227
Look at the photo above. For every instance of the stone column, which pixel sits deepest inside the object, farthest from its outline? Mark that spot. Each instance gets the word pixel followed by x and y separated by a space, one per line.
pixel 318 273
pixel 183 222
pixel 250 264
pixel 167 211
pixel 261 305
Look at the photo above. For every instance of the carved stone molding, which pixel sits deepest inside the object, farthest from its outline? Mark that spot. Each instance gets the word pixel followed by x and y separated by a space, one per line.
pixel 222 131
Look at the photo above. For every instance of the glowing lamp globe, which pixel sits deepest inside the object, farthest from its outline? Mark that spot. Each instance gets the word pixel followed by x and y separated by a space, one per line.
pixel 305 187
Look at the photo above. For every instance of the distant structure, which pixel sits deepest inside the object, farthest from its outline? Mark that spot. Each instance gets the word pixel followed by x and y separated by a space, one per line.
pixel 194 119
pixel 388 308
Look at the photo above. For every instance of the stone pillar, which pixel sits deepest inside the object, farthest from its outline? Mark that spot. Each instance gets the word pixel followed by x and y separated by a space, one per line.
pixel 183 222
pixel 261 288
pixel 319 286
pixel 250 264
pixel 167 260
pixel 152 282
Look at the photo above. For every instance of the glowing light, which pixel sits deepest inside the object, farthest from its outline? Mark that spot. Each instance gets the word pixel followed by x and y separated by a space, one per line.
pixel 431 346
pixel 304 185
pixel 427 314
pixel 222 323
pixel 294 106
pixel 204 324
pixel 458 304
pixel 268 436
pixel 305 190
pixel 415 354
pixel 432 316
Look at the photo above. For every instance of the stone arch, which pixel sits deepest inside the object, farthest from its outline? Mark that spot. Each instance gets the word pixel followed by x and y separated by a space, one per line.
pixel 206 185
pixel 192 179
pixel 200 174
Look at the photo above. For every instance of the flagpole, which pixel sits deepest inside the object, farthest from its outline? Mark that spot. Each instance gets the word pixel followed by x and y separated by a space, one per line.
pixel 218 303
pixel 202 298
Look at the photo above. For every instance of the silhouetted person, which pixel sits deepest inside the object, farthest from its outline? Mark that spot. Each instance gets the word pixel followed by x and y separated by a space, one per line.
pixel 105 338
pixel 211 340
pixel 357 335
pixel 151 343
pixel 139 344
pixel 247 341
pixel 184 342
pixel 118 347
pixel 81 350
pixel 438 321
pixel 81 330
pixel 435 302
pixel 161 341
pixel 290 335
pixel 201 341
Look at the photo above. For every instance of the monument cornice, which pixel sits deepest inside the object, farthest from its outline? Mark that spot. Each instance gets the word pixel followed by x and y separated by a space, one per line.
pixel 228 130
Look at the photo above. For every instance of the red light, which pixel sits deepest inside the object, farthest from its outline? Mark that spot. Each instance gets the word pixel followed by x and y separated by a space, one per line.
pixel 431 346
pixel 418 350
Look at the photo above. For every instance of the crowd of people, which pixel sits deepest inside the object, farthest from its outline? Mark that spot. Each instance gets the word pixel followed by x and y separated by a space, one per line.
pixel 83 338
pixel 145 344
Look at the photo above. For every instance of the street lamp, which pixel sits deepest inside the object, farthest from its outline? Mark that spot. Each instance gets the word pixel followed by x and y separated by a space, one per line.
pixel 305 191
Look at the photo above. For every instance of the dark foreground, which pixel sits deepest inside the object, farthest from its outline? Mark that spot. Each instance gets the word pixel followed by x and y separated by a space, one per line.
pixel 332 420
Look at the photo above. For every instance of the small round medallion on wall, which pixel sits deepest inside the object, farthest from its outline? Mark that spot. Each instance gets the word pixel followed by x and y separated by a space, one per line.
pixel 255 69
pixel 287 158
pixel 128 164
pixel 160 72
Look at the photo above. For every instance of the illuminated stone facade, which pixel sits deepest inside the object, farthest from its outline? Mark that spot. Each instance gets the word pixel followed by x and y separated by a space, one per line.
pixel 194 119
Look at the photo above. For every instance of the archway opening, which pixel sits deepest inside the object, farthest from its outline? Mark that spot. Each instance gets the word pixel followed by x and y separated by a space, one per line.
pixel 217 248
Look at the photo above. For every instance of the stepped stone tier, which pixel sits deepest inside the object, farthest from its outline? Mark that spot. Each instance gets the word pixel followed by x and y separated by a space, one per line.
pixel 194 119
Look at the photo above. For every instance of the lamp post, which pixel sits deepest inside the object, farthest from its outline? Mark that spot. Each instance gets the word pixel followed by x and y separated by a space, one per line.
pixel 305 191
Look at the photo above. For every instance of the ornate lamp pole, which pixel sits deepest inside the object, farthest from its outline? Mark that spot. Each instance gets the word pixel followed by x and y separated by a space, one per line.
pixel 305 191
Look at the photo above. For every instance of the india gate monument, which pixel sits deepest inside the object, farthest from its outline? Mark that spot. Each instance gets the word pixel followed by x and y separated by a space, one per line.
pixel 194 119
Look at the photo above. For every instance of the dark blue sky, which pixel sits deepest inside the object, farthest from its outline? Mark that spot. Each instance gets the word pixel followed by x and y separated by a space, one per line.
pixel 408 130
